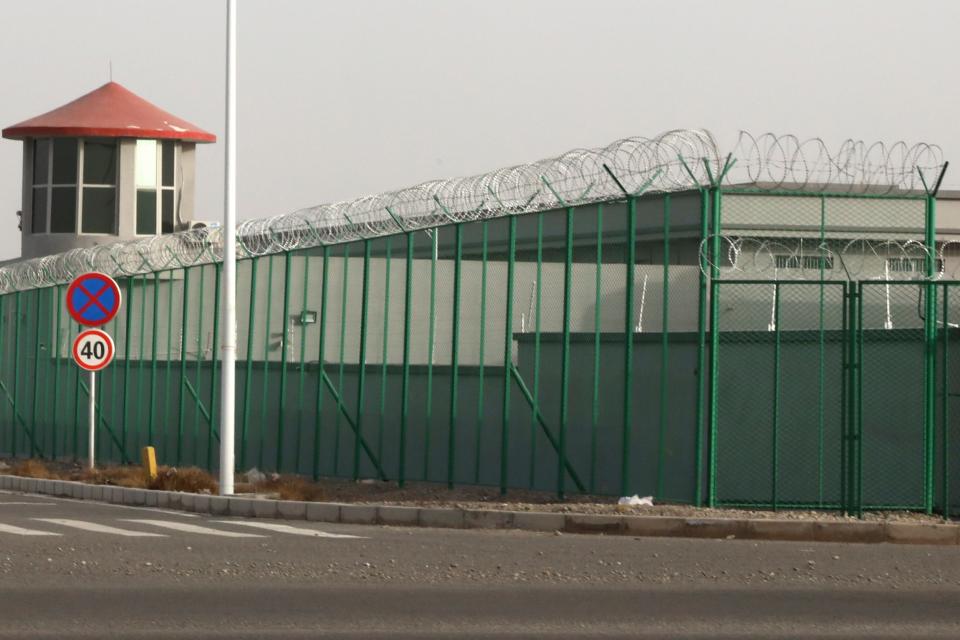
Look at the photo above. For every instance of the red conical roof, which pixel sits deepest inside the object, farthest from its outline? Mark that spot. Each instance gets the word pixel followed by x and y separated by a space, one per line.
pixel 112 111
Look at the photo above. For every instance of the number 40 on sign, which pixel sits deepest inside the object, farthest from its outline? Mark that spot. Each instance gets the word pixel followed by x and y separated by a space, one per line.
pixel 93 349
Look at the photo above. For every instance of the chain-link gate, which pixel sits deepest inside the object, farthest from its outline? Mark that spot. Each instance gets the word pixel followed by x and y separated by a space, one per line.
pixel 780 443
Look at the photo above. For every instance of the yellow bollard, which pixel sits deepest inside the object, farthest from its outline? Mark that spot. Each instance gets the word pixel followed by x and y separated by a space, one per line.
pixel 149 459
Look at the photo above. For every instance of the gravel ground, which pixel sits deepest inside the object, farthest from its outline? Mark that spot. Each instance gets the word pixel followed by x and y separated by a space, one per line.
pixel 423 494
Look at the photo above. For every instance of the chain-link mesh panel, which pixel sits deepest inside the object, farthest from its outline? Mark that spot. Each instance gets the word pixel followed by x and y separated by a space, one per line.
pixel 892 441
pixel 947 384
pixel 819 237
pixel 779 444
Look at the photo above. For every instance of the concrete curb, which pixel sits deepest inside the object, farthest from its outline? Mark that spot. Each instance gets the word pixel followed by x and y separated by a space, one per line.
pixel 456 518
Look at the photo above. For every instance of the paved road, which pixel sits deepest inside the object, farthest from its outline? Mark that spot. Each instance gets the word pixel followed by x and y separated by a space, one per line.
pixel 93 570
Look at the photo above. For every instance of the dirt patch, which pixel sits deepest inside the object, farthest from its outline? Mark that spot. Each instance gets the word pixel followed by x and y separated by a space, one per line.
pixel 421 494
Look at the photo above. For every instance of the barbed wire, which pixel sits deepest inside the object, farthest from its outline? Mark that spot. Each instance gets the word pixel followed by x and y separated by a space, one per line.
pixel 750 257
pixel 785 162
pixel 677 160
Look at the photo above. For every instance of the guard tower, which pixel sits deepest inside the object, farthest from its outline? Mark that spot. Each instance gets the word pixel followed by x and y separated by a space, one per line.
pixel 108 166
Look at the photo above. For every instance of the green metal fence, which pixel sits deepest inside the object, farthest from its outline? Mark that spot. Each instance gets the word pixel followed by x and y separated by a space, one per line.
pixel 714 346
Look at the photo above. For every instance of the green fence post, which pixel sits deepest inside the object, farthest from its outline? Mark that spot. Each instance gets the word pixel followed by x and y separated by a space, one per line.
pixel 248 378
pixel 138 403
pixel 37 322
pixel 385 344
pixel 701 349
pixel 128 317
pixel 565 357
pixel 776 392
pixel 201 298
pixel 454 352
pixel 930 327
pixel 152 408
pixel 183 363
pixel 597 318
pixel 631 259
pixel 76 411
pixel 507 356
pixel 284 352
pixel 482 349
pixel 714 342
pixel 821 417
pixel 428 418
pixel 664 346
pixel 318 417
pixel 535 409
pixel 945 395
pixel 859 400
pixel 169 356
pixel 212 431
pixel 362 359
pixel 405 388
pixel 3 358
pixel 846 421
pixel 16 369
pixel 265 398
pixel 55 345
pixel 341 359
pixel 301 398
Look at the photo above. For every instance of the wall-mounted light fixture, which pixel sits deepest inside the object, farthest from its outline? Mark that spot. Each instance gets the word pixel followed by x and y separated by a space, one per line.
pixel 308 317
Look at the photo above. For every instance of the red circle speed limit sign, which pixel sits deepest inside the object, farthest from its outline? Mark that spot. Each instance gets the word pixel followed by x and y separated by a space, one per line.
pixel 93 349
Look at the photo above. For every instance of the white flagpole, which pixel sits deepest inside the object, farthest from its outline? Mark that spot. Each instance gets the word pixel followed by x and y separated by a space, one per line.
pixel 229 323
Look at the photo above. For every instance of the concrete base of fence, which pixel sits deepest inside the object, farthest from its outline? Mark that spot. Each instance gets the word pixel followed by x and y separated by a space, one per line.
pixel 456 518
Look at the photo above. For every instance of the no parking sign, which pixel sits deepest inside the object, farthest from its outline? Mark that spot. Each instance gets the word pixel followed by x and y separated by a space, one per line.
pixel 93 299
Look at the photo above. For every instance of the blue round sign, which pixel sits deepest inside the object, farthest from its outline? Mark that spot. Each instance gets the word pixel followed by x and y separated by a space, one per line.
pixel 93 299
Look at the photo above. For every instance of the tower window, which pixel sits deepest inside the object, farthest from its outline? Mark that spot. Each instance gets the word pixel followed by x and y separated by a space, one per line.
pixel 156 186
pixel 61 166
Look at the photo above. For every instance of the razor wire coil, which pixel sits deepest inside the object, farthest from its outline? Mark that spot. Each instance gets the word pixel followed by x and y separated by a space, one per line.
pixel 676 160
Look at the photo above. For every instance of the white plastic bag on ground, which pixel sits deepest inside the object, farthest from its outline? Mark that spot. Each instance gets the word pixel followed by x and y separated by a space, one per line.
pixel 255 476
pixel 636 501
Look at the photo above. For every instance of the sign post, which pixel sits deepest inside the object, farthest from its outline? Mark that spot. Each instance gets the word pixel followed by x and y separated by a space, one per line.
pixel 93 299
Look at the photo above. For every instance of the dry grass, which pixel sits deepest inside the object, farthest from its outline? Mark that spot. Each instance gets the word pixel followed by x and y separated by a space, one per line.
pixel 32 469
pixel 190 480
pixel 296 488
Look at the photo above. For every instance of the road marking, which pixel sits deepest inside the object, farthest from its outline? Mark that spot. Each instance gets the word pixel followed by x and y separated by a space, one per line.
pixel 20 531
pixel 100 528
pixel 285 528
pixel 27 504
pixel 192 528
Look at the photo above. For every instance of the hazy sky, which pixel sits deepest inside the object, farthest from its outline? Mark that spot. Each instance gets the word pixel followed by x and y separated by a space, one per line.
pixel 338 99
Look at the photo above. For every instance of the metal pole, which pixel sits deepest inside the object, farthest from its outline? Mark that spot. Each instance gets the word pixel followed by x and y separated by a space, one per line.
pixel 229 262
pixel 92 416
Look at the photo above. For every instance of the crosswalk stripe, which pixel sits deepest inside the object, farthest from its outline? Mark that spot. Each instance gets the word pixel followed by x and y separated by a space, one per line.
pixel 192 528
pixel 100 528
pixel 20 531
pixel 27 504
pixel 285 528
